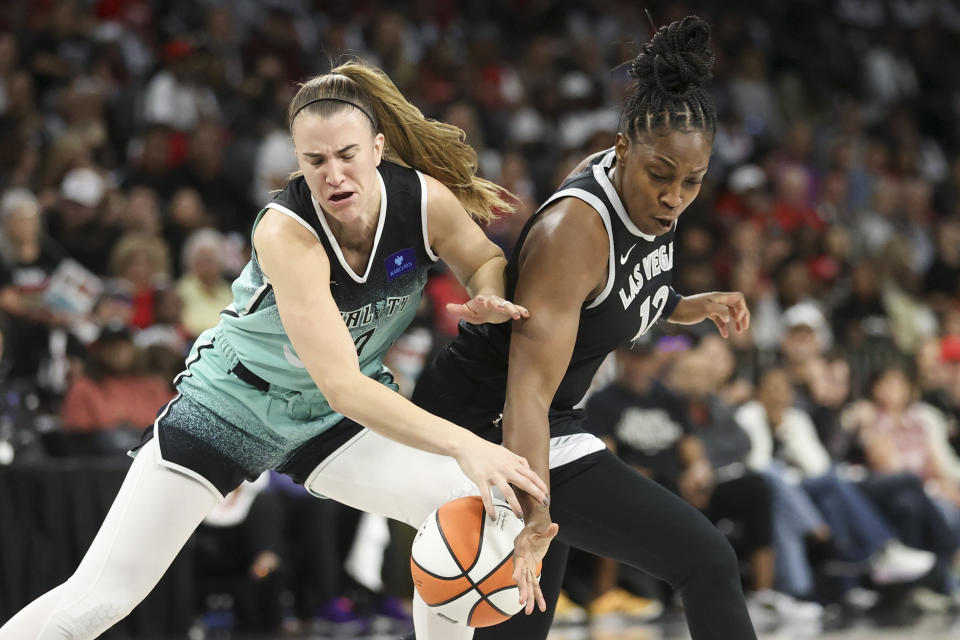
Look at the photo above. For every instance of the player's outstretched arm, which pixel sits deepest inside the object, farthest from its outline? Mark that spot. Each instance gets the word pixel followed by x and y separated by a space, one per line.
pixel 295 263
pixel 723 308
pixel 472 257
pixel 562 263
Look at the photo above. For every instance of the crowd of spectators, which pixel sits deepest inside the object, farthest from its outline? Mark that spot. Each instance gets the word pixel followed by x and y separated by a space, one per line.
pixel 139 139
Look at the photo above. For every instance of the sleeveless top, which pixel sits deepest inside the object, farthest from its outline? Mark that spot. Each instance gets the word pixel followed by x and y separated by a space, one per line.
pixel 637 294
pixel 376 305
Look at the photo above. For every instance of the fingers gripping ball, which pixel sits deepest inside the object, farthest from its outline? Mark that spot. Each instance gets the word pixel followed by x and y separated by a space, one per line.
pixel 462 563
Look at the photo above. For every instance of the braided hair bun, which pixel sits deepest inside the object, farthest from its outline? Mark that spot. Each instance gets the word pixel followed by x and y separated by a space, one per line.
pixel 678 59
pixel 670 71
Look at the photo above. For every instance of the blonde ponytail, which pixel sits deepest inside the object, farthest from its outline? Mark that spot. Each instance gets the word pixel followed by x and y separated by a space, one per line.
pixel 435 148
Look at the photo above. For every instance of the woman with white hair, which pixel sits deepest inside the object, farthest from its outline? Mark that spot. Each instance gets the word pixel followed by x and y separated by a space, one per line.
pixel 30 257
pixel 202 288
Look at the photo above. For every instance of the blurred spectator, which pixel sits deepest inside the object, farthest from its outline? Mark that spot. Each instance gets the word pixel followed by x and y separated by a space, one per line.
pixel 30 257
pixel 141 263
pixel 942 279
pixel 152 162
pixel 206 172
pixel 784 443
pixel 899 435
pixel 186 215
pixel 77 224
pixel 202 289
pixel 114 393
pixel 175 96
pixel 690 444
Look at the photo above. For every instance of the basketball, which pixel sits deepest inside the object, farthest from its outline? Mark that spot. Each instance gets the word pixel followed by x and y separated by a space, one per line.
pixel 462 562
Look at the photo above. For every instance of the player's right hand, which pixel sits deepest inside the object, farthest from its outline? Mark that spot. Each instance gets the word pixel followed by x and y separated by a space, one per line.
pixel 490 465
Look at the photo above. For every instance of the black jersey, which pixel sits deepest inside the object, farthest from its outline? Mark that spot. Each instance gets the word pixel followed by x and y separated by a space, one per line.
pixel 377 305
pixel 636 295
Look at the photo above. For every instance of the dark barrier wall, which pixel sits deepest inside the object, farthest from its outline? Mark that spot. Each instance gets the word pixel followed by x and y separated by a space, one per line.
pixel 49 514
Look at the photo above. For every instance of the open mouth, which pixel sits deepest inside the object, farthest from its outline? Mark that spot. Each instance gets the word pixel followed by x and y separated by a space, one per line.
pixel 340 197
pixel 664 223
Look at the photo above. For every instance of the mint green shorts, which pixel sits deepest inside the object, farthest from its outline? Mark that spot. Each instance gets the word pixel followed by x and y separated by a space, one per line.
pixel 226 424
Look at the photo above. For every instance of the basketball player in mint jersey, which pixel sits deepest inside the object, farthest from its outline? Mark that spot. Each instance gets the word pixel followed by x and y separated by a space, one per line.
pixel 295 367
pixel 594 267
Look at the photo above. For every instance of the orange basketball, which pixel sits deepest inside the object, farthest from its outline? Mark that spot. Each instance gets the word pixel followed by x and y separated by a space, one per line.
pixel 462 562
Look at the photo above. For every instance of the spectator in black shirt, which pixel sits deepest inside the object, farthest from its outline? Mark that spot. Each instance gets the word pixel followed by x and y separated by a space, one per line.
pixel 29 259
pixel 651 427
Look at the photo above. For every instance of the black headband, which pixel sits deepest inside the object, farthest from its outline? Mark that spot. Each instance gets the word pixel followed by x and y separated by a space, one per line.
pixel 343 100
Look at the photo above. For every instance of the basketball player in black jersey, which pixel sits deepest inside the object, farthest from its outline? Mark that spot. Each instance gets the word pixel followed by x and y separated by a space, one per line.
pixel 594 268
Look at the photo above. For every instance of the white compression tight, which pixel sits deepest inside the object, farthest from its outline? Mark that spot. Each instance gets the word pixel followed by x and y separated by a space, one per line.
pixel 151 519
pixel 375 474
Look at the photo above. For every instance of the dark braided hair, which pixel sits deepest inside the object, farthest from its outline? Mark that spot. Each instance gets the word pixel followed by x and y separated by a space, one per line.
pixel 670 72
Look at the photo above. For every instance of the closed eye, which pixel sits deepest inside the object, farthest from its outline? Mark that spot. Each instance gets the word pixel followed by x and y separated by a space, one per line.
pixel 658 177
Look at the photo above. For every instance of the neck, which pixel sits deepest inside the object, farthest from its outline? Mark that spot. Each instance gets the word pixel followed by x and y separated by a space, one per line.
pixel 27 250
pixel 617 179
pixel 357 234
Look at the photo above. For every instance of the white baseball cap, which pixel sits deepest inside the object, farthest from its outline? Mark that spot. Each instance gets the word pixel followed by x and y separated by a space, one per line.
pixel 84 186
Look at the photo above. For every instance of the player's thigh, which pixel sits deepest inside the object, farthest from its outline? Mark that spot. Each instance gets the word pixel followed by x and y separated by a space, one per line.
pixel 375 474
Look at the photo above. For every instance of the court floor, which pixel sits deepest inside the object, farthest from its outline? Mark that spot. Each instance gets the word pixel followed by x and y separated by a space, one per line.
pixel 926 628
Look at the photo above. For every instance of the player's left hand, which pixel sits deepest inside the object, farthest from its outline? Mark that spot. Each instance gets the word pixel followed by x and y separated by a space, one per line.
pixel 721 307
pixel 529 547
pixel 487 308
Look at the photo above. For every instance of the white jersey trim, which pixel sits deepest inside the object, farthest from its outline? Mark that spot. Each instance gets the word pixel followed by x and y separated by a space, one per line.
pixel 601 209
pixel 287 212
pixel 569 448
pixel 423 217
pixel 600 174
pixel 376 240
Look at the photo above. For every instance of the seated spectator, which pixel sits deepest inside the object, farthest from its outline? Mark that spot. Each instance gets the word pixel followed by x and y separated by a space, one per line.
pixel 901 435
pixel 30 257
pixel 202 288
pixel 114 393
pixel 650 426
pixel 785 443
pixel 142 264
pixel 77 223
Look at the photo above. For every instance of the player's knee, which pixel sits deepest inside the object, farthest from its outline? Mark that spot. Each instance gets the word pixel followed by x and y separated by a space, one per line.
pixel 91 616
pixel 712 558
pixel 719 558
pixel 86 622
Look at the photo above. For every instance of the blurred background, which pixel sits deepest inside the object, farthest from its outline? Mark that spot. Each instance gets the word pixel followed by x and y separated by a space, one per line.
pixel 139 139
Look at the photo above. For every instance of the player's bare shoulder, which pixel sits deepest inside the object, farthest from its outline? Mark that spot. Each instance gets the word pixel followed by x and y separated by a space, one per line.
pixel 570 234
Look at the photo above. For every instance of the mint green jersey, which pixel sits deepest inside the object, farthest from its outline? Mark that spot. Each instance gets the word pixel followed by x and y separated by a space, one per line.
pixel 376 305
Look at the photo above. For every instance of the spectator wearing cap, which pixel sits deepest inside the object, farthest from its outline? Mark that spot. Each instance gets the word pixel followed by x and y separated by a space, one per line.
pixel 114 392
pixel 202 288
pixel 77 224
pixel 746 197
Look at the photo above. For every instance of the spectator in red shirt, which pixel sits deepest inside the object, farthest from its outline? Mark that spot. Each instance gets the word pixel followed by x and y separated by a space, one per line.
pixel 113 394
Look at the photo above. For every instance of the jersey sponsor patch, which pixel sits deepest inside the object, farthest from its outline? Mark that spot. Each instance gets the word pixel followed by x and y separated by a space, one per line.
pixel 400 262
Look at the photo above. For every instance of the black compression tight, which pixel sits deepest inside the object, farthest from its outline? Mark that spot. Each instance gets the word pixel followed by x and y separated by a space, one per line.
pixel 611 510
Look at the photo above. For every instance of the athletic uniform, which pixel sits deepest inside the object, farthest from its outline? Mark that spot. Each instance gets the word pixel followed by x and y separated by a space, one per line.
pixel 467 383
pixel 601 504
pixel 246 403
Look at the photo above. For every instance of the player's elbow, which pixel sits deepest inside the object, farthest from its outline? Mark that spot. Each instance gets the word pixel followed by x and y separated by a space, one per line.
pixel 343 392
